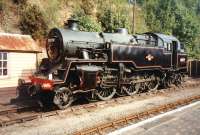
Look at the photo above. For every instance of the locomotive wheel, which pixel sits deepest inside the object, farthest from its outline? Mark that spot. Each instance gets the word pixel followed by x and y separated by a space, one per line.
pixel 173 79
pixel 121 91
pixel 91 96
pixel 168 82
pixel 143 86
pixel 153 85
pixel 105 93
pixel 132 89
pixel 182 78
pixel 63 98
pixel 178 79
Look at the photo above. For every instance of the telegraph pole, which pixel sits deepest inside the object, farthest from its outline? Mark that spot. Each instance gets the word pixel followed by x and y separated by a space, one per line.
pixel 133 2
pixel 134 16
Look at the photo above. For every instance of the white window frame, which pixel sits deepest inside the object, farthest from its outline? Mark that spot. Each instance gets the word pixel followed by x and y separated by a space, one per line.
pixel 1 66
pixel 169 47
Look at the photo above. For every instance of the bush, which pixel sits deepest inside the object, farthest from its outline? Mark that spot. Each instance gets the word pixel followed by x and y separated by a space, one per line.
pixel 52 13
pixel 22 2
pixel 111 20
pixel 32 22
pixel 88 6
pixel 89 24
pixel 86 22
pixel 106 19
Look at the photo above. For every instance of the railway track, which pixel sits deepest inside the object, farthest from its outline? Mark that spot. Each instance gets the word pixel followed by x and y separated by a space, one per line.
pixel 16 114
pixel 127 120
pixel 12 116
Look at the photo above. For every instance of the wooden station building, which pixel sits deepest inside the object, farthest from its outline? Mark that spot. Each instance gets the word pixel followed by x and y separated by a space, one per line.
pixel 18 58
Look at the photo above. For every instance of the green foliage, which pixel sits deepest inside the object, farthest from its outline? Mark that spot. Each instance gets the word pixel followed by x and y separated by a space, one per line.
pixel 111 20
pixel 32 22
pixel 114 17
pixel 51 14
pixel 198 8
pixel 159 16
pixel 187 27
pixel 89 24
pixel 177 17
pixel 86 22
pixel 88 6
pixel 106 20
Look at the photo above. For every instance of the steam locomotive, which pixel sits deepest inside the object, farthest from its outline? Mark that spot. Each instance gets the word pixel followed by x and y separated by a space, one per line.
pixel 101 65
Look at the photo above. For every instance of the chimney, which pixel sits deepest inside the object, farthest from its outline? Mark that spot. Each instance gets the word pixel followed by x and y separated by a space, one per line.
pixel 123 31
pixel 72 24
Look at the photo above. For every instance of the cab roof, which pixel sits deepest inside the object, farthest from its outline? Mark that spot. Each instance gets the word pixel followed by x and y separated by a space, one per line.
pixel 165 38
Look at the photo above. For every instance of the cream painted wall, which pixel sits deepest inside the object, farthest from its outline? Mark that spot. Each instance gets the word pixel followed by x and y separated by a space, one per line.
pixel 20 65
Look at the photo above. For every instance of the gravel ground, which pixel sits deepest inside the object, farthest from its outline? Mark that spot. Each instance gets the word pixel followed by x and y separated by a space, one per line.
pixel 66 125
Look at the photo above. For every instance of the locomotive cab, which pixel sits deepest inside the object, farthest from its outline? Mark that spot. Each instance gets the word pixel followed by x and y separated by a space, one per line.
pixel 171 46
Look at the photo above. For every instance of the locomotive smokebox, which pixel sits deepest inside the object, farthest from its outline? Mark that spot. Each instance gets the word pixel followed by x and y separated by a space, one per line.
pixel 70 42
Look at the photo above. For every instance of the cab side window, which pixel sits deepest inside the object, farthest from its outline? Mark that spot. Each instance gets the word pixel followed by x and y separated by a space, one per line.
pixel 169 47
pixel 182 49
pixel 165 45
pixel 160 43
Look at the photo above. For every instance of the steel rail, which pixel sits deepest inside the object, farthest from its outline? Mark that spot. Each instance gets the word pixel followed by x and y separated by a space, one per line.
pixel 75 110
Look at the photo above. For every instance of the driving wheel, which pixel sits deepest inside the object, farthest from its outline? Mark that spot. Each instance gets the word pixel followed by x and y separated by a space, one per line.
pixel 62 98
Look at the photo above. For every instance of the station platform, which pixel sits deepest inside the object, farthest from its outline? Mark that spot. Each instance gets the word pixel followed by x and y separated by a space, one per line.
pixel 182 121
pixel 6 94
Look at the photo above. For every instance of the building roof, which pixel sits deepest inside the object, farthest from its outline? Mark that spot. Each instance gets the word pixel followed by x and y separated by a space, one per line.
pixel 18 43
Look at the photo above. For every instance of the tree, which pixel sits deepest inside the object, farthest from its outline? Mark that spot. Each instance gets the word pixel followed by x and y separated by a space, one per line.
pixel 22 2
pixel 32 22
pixel 89 7
pixel 159 16
pixel 177 17
pixel 86 22
pixel 106 19
pixel 1 5
pixel 198 8
pixel 114 17
pixel 187 27
pixel 51 13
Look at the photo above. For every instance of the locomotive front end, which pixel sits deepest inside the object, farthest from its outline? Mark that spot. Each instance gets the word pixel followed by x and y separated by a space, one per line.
pixel 61 44
pixel 54 46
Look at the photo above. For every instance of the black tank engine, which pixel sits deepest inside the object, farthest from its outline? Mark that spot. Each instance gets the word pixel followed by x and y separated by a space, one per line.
pixel 101 65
